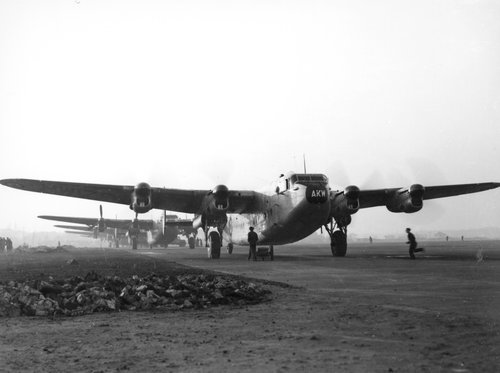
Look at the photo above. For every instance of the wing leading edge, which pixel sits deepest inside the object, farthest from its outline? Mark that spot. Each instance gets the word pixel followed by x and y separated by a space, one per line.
pixel 181 200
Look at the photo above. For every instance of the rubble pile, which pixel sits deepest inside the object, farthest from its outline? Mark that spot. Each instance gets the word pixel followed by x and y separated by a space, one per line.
pixel 96 293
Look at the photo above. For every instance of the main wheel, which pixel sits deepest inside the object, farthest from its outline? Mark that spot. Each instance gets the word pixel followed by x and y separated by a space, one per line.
pixel 338 243
pixel 215 244
pixel 191 242
pixel 134 243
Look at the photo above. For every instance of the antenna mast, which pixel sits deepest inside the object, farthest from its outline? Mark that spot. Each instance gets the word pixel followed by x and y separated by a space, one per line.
pixel 304 157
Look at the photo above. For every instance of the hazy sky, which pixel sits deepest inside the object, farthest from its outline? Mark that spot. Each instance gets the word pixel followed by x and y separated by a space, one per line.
pixel 189 94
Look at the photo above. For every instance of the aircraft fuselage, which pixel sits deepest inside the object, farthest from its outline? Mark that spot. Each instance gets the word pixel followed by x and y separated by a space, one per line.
pixel 292 211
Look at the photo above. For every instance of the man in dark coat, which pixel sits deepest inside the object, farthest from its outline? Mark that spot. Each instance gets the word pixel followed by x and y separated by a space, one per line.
pixel 252 240
pixel 413 244
pixel 8 244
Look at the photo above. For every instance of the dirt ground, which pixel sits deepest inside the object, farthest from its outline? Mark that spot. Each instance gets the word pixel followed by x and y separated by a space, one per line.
pixel 371 311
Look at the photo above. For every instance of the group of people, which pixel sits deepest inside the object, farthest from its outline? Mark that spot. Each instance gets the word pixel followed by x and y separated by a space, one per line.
pixel 5 244
pixel 253 238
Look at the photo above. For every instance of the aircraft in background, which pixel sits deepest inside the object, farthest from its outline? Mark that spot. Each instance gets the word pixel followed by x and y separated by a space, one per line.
pixel 114 236
pixel 146 232
pixel 295 206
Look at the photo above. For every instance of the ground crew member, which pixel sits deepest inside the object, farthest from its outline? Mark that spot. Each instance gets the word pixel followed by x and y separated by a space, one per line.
pixel 252 240
pixel 413 244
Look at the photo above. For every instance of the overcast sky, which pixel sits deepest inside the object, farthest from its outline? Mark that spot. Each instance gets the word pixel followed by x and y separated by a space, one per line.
pixel 189 94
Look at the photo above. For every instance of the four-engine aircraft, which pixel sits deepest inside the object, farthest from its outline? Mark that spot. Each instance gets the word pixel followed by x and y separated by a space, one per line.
pixel 295 206
pixel 148 231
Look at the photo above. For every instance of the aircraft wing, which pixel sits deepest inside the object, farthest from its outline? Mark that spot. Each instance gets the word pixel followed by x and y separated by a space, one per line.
pixel 179 223
pixel 99 192
pixel 81 233
pixel 182 200
pixel 93 222
pixel 380 197
pixel 75 227
pixel 90 222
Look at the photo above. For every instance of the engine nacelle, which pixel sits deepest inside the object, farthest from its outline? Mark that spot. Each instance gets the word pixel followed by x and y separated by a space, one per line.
pixel 407 200
pixel 345 203
pixel 141 198
pixel 219 202
pixel 101 225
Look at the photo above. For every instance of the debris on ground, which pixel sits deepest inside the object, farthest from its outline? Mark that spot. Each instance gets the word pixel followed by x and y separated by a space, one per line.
pixel 95 293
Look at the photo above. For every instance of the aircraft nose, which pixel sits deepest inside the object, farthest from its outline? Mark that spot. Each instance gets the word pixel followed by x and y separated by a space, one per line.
pixel 316 194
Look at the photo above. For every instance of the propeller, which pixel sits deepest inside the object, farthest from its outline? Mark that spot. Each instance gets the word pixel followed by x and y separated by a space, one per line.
pixel 339 176
pixel 164 222
pixel 100 223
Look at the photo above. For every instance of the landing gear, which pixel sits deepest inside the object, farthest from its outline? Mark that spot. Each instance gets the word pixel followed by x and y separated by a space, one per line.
pixel 134 232
pixel 338 243
pixel 338 239
pixel 271 252
pixel 230 248
pixel 215 245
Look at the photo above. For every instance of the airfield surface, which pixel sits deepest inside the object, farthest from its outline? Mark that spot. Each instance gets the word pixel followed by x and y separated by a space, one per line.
pixel 374 310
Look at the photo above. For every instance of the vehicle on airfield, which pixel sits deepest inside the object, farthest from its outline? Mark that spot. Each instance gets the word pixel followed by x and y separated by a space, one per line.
pixel 137 232
pixel 295 206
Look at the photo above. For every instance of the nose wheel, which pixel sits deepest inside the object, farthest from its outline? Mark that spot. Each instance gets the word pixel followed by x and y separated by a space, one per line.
pixel 214 245
pixel 191 242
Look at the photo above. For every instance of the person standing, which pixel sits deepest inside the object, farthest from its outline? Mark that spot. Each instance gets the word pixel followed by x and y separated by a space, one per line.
pixel 252 240
pixel 413 244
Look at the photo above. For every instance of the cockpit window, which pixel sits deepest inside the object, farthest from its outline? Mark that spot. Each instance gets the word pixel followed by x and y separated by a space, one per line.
pixel 309 178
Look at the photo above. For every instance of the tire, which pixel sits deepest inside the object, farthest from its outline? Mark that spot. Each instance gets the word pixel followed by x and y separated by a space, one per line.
pixel 338 244
pixel 191 242
pixel 230 248
pixel 134 243
pixel 215 244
